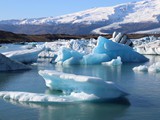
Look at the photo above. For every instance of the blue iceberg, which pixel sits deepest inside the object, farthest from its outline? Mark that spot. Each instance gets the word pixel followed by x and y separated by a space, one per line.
pixel 113 50
pixel 71 83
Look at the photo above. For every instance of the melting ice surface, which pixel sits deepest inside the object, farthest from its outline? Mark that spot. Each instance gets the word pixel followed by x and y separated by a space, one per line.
pixel 43 98
pixel 71 83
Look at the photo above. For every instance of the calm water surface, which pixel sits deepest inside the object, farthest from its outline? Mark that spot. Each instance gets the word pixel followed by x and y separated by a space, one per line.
pixel 144 98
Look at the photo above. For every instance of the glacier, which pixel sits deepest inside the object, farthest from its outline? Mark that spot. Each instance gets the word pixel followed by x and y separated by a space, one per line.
pixel 107 18
pixel 6 64
pixel 71 83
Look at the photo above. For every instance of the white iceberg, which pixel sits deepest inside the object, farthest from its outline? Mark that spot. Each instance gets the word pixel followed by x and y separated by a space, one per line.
pixel 24 56
pixel 154 68
pixel 113 50
pixel 46 98
pixel 113 62
pixel 141 68
pixel 7 64
pixel 81 46
pixel 47 54
pixel 68 56
pixel 71 83
pixel 150 48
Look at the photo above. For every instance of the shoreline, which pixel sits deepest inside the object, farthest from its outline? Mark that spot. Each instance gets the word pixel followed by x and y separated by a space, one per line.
pixel 9 37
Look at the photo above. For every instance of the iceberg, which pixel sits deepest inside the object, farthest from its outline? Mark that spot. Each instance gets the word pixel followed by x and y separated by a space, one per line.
pixel 113 50
pixel 68 56
pixel 71 83
pixel 149 48
pixel 47 54
pixel 6 64
pixel 104 51
pixel 46 98
pixel 141 68
pixel 81 46
pixel 154 68
pixel 95 59
pixel 24 56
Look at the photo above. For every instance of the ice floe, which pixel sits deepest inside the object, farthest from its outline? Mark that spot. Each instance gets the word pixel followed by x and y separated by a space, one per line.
pixel 44 98
pixel 147 45
pixel 7 64
pixel 70 83
pixel 24 56
pixel 154 68
pixel 68 56
pixel 141 68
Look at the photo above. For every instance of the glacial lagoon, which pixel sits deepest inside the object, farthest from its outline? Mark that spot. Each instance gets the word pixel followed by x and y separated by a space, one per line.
pixel 143 101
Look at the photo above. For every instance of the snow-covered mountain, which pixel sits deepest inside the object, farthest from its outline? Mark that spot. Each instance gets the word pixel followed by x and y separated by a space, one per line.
pixel 129 17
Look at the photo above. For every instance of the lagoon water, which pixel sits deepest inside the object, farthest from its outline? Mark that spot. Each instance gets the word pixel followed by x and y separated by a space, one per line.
pixel 144 98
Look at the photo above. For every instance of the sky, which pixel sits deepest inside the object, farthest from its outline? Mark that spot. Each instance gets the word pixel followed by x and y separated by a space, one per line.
pixel 20 9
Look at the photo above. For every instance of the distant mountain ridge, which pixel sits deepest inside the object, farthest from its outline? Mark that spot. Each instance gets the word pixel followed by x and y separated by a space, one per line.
pixel 129 17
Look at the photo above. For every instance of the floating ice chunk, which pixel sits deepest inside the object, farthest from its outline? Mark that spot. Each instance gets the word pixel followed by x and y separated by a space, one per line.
pixel 154 67
pixel 141 68
pixel 148 48
pixel 47 54
pixel 95 59
pixel 24 56
pixel 114 34
pixel 76 83
pixel 54 46
pixel 29 46
pixel 113 62
pixel 118 37
pixel 7 64
pixel 67 53
pixel 113 50
pixel 44 98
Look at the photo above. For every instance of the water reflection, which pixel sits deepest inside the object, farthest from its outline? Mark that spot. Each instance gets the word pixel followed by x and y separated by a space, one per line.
pixel 77 111
pixel 86 111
